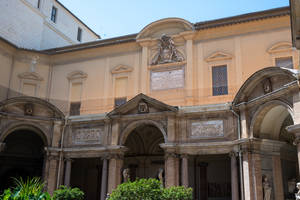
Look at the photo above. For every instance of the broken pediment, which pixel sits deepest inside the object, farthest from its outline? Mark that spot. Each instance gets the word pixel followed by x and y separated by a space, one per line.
pixel 142 104
pixel 31 76
pixel 121 69
pixel 280 47
pixel 219 55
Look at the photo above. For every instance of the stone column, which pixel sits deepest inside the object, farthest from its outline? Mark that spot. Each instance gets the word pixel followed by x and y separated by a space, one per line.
pixel 189 67
pixel 247 175
pixel 68 172
pixel 114 173
pixel 277 178
pixel 171 170
pixel 234 177
pixel 144 66
pixel 51 173
pixel 184 170
pixel 257 175
pixel 104 179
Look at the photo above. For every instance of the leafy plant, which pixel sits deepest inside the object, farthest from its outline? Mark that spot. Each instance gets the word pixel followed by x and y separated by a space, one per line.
pixel 29 189
pixel 149 189
pixel 67 193
pixel 178 193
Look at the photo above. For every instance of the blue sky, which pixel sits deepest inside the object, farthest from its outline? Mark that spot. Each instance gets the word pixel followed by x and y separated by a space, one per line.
pixel 113 18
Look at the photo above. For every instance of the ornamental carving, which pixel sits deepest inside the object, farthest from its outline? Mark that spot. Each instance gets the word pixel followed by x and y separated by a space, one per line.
pixel 267 85
pixel 207 129
pixel 87 136
pixel 143 107
pixel 167 52
pixel 28 109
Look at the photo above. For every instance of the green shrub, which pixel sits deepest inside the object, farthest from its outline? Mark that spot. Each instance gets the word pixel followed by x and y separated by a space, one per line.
pixel 146 189
pixel 66 193
pixel 30 189
pixel 178 193
pixel 149 189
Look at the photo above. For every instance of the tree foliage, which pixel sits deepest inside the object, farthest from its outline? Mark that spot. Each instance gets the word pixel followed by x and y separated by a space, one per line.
pixel 67 193
pixel 149 189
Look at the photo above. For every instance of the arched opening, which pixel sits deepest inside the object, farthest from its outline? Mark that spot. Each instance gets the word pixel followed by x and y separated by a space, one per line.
pixel 270 123
pixel 23 156
pixel 144 157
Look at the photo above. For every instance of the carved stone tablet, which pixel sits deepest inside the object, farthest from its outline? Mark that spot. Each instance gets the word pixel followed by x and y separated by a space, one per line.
pixel 207 129
pixel 161 80
pixel 87 135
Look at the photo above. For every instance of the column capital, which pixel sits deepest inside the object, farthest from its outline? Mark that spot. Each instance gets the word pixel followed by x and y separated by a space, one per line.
pixel 171 155
pixel 184 156
pixel 295 130
pixel 115 156
pixel 188 35
pixel 233 154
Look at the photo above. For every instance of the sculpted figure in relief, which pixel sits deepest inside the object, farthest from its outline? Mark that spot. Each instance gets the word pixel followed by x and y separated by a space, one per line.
pixel 167 52
pixel 126 175
pixel 297 195
pixel 266 188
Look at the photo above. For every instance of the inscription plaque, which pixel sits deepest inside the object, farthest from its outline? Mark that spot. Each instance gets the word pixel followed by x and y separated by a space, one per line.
pixel 207 129
pixel 87 136
pixel 161 80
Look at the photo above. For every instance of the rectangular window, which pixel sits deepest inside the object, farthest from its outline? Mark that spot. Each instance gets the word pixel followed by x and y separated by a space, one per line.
pixel 120 101
pixel 39 4
pixel 286 62
pixel 75 99
pixel 53 14
pixel 79 34
pixel 219 80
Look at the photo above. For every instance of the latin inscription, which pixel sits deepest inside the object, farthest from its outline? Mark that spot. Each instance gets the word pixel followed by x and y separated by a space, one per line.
pixel 207 129
pixel 162 80
pixel 87 136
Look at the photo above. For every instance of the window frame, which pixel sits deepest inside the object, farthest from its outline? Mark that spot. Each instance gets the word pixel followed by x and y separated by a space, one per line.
pixel 282 50
pixel 53 16
pixel 79 34
pixel 212 77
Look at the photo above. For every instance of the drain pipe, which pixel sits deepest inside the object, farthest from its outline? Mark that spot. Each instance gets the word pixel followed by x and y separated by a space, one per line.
pixel 61 153
pixel 240 153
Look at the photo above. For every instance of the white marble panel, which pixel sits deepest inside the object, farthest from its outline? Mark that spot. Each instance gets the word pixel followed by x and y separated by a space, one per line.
pixel 169 79
pixel 207 129
pixel 87 136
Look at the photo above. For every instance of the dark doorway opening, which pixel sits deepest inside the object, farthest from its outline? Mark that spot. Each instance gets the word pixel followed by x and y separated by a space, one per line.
pixel 23 157
pixel 210 177
pixel 86 174
pixel 144 157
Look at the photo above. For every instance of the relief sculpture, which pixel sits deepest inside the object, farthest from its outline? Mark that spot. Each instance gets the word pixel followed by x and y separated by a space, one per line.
pixel 87 136
pixel 205 129
pixel 167 52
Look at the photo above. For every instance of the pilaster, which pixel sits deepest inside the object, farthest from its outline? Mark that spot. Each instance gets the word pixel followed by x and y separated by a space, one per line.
pixel 114 173
pixel 171 170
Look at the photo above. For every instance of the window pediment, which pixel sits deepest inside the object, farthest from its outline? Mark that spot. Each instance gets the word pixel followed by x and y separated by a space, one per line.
pixel 77 75
pixel 31 76
pixel 280 47
pixel 121 69
pixel 219 55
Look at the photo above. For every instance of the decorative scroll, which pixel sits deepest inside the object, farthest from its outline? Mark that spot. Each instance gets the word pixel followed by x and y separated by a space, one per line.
pixel 161 80
pixel 87 136
pixel 207 129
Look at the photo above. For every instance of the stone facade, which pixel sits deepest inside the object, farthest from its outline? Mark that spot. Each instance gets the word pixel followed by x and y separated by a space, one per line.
pixel 220 145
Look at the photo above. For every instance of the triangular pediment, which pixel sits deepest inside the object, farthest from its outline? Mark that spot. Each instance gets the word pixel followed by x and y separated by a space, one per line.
pixel 219 55
pixel 31 76
pixel 280 47
pixel 142 104
pixel 77 75
pixel 121 69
